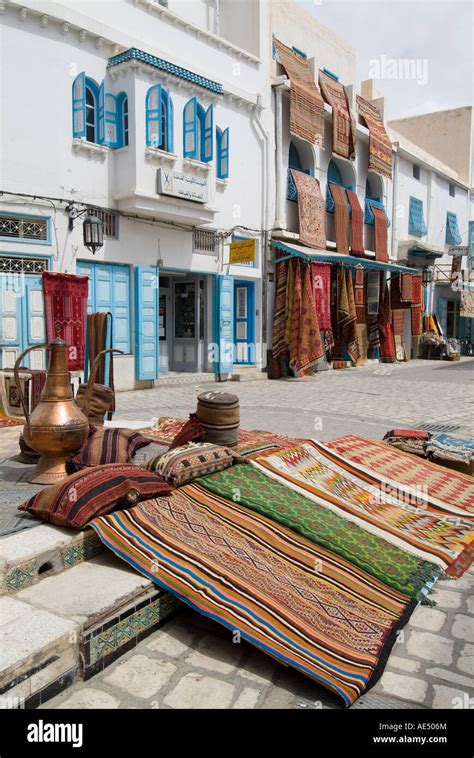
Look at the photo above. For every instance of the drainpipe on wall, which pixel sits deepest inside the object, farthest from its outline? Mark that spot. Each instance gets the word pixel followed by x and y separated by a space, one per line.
pixel 279 210
pixel 265 139
pixel 394 208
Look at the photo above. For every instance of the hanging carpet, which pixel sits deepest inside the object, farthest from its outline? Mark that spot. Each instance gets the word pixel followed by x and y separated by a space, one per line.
pixel 65 305
pixel 357 224
pixel 387 341
pixel 380 235
pixel 380 145
pixel 417 306
pixel 305 337
pixel 311 210
pixel 343 124
pixel 341 217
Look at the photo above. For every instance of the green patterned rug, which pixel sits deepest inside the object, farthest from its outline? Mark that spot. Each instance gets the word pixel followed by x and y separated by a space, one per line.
pixel 247 486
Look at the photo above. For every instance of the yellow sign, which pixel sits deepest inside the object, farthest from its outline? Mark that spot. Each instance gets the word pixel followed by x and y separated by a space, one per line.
pixel 243 251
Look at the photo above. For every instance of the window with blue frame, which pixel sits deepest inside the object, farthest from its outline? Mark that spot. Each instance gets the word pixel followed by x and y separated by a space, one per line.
pixel 97 115
pixel 159 118
pixel 295 163
pixel 109 291
pixel 373 199
pixel 416 221
pixel 453 236
pixel 334 177
pixel 222 153
pixel 198 131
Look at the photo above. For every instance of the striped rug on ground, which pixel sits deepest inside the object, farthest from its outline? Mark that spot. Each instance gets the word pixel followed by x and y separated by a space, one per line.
pixel 431 529
pixel 291 598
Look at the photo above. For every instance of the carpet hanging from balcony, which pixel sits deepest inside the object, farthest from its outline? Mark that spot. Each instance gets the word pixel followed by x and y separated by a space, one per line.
pixel 305 336
pixel 255 576
pixel 65 305
pixel 321 276
pixel 311 210
pixel 417 306
pixel 401 291
pixel 359 294
pixel 357 224
pixel 380 145
pixel 306 104
pixel 346 315
pixel 380 234
pixel 343 124
pixel 341 217
pixel 279 313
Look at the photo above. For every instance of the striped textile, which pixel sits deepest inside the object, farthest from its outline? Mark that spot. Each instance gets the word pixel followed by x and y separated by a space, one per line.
pixel 305 338
pixel 359 294
pixel 343 124
pixel 417 306
pixel 293 599
pixel 255 490
pixel 182 464
pixel 392 465
pixel 357 224
pixel 113 445
pixel 415 522
pixel 341 217
pixel 380 234
pixel 380 146
pixel 306 104
pixel 279 345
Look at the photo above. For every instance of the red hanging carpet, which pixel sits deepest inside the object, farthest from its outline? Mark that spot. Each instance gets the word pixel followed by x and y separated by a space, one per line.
pixel 380 145
pixel 381 251
pixel 65 303
pixel 343 125
pixel 357 224
pixel 311 210
pixel 341 217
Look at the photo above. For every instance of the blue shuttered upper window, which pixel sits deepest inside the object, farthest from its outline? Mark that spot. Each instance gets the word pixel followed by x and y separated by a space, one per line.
pixel 222 150
pixel 97 115
pixel 453 236
pixel 198 131
pixel 373 202
pixel 334 177
pixel 416 222
pixel 159 118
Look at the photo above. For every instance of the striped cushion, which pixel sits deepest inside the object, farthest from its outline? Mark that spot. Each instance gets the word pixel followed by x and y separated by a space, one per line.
pixel 107 446
pixel 94 491
pixel 183 464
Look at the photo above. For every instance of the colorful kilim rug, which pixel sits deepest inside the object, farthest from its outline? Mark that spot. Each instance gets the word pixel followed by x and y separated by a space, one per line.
pixel 293 599
pixel 387 341
pixel 373 337
pixel 311 210
pixel 359 294
pixel 357 224
pixel 380 234
pixel 279 313
pixel 10 421
pixel 306 104
pixel 380 146
pixel 341 217
pixel 343 125
pixel 347 313
pixel 65 305
pixel 253 489
pixel 417 306
pixel 430 529
pixel 305 338
pixel 443 484
pixel 398 322
pixel 401 293
pixel 321 279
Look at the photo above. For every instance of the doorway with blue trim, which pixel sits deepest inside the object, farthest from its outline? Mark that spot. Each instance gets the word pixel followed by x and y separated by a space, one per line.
pixel 244 323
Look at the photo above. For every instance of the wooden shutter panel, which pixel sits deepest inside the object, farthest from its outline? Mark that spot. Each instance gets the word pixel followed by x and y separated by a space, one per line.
pixel 146 323
pixel 207 139
pixel 224 323
pixel 79 105
pixel 190 146
pixel 154 116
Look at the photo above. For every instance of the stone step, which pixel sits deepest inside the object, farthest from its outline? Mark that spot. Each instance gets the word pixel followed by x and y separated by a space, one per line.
pixel 248 374
pixel 73 624
pixel 35 554
pixel 174 378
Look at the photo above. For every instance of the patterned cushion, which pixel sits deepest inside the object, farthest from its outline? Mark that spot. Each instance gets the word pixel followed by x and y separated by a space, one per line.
pixel 107 446
pixel 93 492
pixel 183 464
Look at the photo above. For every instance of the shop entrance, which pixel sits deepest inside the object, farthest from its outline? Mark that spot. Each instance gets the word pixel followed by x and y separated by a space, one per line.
pixel 244 323
pixel 182 323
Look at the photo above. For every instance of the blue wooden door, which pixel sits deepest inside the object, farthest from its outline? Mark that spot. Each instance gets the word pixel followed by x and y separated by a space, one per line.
pixel 244 322
pixel 224 324
pixel 146 323
pixel 22 323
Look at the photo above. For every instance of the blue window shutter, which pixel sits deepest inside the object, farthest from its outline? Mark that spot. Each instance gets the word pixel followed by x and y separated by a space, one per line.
pixel 170 126
pixel 334 174
pixel 207 153
pixel 223 155
pixel 121 307
pixel 416 222
pixel 111 135
pixel 190 146
pixel 86 269
pixel 453 236
pixel 79 105
pixel 154 116
pixel 146 322
pixel 224 323
pixel 101 119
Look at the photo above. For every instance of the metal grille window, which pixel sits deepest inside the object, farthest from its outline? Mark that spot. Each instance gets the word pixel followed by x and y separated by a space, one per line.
pixel 204 241
pixel 19 264
pixel 109 222
pixel 27 228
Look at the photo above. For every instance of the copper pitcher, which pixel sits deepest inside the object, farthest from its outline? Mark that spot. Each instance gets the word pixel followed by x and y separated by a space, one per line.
pixel 57 427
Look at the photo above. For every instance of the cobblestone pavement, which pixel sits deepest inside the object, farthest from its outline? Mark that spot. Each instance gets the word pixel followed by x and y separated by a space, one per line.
pixel 193 662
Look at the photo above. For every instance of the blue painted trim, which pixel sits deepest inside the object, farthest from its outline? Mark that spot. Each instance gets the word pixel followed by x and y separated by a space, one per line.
pixel 373 202
pixel 222 153
pixel 47 241
pixel 120 99
pixel 95 89
pixel 154 116
pixel 250 340
pixel 453 236
pixel 94 265
pixel 79 104
pixel 347 260
pixel 141 318
pixel 416 221
pixel 331 74
pixel 190 117
pixel 134 54
pixel 39 256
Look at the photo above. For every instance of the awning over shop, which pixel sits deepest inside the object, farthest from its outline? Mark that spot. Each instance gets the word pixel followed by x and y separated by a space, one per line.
pixel 324 256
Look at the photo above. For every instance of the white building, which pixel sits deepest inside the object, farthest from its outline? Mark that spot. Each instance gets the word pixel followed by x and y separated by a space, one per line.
pixel 433 207
pixel 152 116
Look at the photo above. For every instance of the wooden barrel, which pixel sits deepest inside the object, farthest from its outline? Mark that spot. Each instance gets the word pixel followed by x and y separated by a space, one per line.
pixel 219 415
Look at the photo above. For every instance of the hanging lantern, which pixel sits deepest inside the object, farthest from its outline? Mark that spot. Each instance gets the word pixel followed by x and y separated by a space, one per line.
pixel 93 233
pixel 427 276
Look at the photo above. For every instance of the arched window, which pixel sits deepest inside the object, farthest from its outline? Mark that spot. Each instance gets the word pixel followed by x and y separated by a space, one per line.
pixel 97 115
pixel 159 118
pixel 198 131
pixel 222 153
pixel 374 186
pixel 298 157
pixel 341 173
pixel 334 174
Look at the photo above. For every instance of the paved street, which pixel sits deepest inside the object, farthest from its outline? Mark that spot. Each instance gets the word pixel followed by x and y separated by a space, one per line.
pixel 192 662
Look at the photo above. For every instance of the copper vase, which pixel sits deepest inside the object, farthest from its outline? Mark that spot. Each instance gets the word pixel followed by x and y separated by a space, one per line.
pixel 57 427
